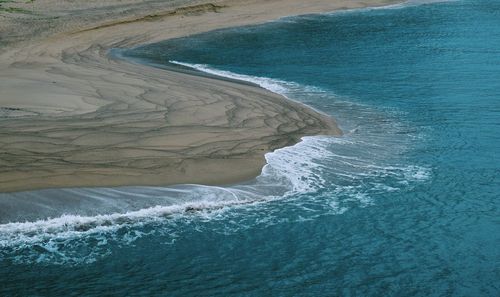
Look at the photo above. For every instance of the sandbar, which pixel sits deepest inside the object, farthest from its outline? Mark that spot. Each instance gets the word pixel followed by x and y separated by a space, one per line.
pixel 71 115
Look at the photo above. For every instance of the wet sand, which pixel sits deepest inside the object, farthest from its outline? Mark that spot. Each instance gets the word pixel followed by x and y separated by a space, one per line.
pixel 71 115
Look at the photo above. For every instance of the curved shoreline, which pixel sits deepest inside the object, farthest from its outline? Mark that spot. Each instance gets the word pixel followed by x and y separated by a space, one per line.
pixel 74 117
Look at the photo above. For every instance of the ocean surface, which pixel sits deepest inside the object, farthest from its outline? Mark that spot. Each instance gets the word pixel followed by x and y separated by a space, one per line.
pixel 406 203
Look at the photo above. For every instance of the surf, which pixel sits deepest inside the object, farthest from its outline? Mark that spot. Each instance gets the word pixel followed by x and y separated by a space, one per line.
pixel 328 172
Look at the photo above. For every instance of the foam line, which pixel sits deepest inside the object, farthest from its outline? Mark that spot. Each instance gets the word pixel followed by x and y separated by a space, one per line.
pixel 274 85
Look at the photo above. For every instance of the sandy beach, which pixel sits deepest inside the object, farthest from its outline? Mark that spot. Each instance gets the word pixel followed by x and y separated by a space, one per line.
pixel 71 115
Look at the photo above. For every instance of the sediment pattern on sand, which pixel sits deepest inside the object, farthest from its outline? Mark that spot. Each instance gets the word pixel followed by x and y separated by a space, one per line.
pixel 72 116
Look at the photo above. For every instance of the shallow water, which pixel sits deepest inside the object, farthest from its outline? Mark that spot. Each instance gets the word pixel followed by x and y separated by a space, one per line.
pixel 405 204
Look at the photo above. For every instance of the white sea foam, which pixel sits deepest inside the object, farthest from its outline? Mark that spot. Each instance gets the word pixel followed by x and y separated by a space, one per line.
pixel 299 165
pixel 401 5
pixel 273 85
pixel 69 226
pixel 421 2
pixel 410 3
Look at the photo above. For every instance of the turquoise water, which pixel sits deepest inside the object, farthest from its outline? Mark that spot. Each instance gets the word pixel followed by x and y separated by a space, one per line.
pixel 405 204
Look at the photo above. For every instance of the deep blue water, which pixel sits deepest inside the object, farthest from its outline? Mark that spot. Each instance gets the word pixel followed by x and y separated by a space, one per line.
pixel 406 203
